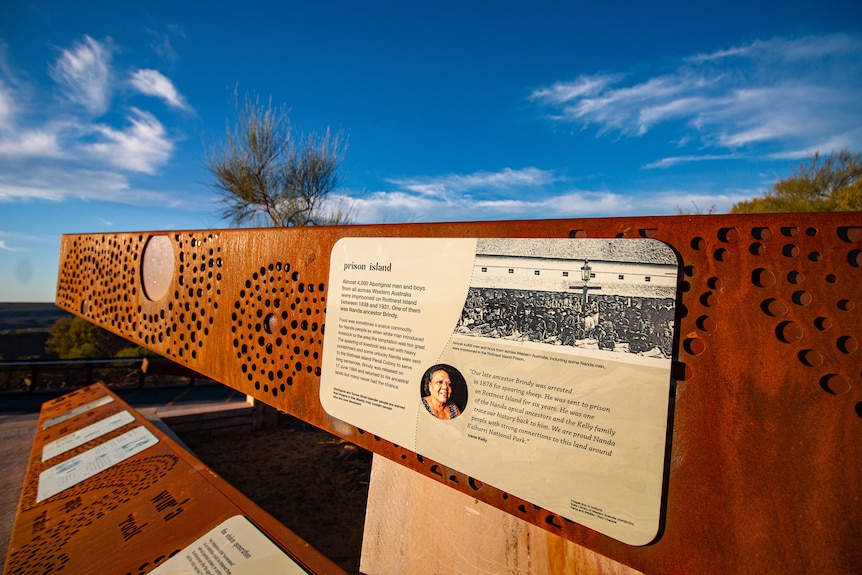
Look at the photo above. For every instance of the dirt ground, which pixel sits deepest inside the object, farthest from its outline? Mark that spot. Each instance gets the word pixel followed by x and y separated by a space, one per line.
pixel 314 483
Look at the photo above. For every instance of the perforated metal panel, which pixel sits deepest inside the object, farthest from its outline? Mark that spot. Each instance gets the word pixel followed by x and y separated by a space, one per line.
pixel 763 464
pixel 132 516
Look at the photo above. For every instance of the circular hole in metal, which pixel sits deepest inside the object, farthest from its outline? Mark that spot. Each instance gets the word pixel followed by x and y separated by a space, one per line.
pixel 831 278
pixel 709 299
pixel 157 267
pixel 714 283
pixel 270 323
pixel 835 384
pixel 774 307
pixel 757 249
pixel 811 357
pixel 854 258
pixel 795 277
pixel 761 233
pixel 849 234
pixel 789 331
pixel 728 235
pixel 706 323
pixel 847 344
pixel 697 243
pixel 814 256
pixel 790 250
pixel 802 298
pixel 763 278
pixel 694 346
pixel 846 304
pixel 823 323
pixel 682 371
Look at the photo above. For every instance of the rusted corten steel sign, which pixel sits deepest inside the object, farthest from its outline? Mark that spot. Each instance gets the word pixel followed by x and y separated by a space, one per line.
pixel 106 491
pixel 762 468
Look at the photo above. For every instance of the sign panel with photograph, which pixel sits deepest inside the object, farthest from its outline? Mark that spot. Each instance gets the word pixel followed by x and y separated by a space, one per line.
pixel 539 366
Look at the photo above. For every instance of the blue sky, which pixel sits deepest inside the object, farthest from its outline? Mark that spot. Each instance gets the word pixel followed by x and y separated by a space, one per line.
pixel 454 110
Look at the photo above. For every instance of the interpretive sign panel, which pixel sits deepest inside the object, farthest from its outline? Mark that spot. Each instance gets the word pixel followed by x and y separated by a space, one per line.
pixel 87 464
pixel 87 434
pixel 235 547
pixel 72 413
pixel 539 366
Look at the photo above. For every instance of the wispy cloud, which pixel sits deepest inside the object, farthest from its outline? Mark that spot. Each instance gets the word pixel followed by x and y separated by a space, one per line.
pixel 153 83
pixel 58 183
pixel 401 206
pixel 7 105
pixel 56 153
pixel 532 193
pixel 676 160
pixel 141 147
pixel 40 143
pixel 764 97
pixel 18 242
pixel 505 180
pixel 84 74
pixel 162 44
pixel 583 87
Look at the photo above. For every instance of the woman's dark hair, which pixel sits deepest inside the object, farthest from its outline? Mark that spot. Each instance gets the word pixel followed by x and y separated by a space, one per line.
pixel 459 384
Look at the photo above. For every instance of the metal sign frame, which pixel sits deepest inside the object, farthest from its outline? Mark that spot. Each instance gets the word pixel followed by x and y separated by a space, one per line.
pixel 134 515
pixel 763 466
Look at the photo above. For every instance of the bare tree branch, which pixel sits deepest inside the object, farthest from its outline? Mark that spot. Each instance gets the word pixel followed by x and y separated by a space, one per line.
pixel 268 175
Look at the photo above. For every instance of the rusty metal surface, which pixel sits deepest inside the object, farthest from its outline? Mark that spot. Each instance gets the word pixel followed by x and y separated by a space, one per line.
pixel 764 468
pixel 134 515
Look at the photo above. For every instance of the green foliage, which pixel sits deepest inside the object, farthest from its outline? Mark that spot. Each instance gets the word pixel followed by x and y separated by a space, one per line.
pixel 268 175
pixel 831 185
pixel 134 352
pixel 76 338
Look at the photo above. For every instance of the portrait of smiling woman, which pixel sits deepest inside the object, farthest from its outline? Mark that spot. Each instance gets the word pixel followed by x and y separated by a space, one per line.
pixel 443 391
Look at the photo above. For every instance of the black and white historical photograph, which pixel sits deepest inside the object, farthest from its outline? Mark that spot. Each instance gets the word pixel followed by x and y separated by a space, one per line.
pixel 616 295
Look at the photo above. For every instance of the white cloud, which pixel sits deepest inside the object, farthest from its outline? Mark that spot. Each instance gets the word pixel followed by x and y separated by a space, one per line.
pixel 153 83
pixel 56 154
pixel 584 86
pixel 504 180
pixel 84 74
pixel 161 43
pixel 777 94
pixel 141 147
pixel 58 183
pixel 811 48
pixel 12 241
pixel 445 199
pixel 400 206
pixel 38 143
pixel 676 160
pixel 7 105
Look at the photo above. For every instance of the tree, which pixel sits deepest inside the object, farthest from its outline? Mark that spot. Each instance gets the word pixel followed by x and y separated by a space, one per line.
pixel 831 185
pixel 76 338
pixel 268 175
